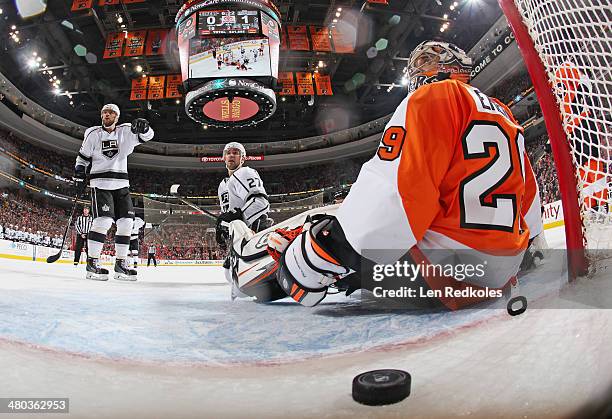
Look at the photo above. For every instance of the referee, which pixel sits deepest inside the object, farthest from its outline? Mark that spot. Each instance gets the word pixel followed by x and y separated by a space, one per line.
pixel 151 255
pixel 82 226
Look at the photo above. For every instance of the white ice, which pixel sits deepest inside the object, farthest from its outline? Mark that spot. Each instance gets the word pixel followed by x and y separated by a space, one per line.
pixel 172 344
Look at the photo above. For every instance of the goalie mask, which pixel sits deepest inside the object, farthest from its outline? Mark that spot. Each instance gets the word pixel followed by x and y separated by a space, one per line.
pixel 433 61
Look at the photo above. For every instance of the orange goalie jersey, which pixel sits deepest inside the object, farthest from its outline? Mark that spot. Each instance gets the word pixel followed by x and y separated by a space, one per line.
pixel 451 172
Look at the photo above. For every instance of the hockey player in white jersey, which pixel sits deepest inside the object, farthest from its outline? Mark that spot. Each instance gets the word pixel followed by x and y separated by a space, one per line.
pixel 106 149
pixel 242 195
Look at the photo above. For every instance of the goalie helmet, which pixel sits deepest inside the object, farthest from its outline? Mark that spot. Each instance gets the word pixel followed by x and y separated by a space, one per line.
pixel 433 61
pixel 235 145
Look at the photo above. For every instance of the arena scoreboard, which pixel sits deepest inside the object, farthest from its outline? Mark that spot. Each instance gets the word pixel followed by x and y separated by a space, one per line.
pixel 228 22
pixel 229 54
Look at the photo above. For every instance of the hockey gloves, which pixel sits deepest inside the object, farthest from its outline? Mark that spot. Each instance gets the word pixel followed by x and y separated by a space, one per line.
pixel 222 227
pixel 140 126
pixel 79 173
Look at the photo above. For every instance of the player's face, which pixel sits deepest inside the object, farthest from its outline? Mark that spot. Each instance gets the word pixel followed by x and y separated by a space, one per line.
pixel 232 158
pixel 108 117
pixel 85 212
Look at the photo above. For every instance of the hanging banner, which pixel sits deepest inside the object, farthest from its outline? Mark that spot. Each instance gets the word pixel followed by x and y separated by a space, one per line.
pixel 107 2
pixel 378 1
pixel 323 83
pixel 344 40
pixel 298 38
pixel 304 83
pixel 284 37
pixel 172 84
pixel 114 45
pixel 134 43
pixel 157 41
pixel 321 40
pixel 81 5
pixel 287 83
pixel 156 87
pixel 139 89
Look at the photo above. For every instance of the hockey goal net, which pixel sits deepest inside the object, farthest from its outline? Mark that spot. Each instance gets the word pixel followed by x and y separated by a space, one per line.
pixel 567 48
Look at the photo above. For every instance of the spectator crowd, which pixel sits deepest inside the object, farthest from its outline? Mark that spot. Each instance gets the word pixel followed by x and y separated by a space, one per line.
pixel 192 182
pixel 29 221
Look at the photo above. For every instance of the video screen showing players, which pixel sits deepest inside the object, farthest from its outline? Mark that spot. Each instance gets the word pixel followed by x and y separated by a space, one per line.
pixel 229 57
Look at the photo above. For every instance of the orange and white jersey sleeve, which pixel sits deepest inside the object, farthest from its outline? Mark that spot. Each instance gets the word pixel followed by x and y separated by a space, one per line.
pixel 450 172
pixel 395 198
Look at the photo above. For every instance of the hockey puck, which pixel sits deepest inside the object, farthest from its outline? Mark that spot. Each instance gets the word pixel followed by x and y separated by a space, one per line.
pixel 380 387
pixel 516 311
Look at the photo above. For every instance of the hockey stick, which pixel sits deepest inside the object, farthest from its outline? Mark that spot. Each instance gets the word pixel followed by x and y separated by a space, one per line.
pixel 80 190
pixel 174 192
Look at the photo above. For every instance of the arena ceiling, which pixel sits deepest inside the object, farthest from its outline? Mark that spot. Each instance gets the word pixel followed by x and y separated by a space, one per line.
pixel 365 86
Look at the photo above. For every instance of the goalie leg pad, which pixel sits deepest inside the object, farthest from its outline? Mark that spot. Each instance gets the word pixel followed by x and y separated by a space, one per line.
pixel 306 296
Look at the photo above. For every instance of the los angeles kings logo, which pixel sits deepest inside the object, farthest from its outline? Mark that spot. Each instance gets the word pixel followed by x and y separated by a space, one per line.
pixel 110 148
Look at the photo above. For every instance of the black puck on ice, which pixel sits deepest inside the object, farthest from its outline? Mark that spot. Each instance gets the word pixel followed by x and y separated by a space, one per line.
pixel 380 387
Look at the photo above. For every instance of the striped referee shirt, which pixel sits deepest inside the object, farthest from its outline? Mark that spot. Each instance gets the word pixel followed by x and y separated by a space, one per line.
pixel 83 224
pixel 152 249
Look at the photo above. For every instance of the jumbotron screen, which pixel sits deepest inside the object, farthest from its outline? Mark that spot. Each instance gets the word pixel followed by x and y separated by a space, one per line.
pixel 229 43
pixel 229 57
pixel 228 22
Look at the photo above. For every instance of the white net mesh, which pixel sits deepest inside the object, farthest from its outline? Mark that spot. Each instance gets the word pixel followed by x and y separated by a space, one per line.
pixel 181 232
pixel 574 41
pixel 284 210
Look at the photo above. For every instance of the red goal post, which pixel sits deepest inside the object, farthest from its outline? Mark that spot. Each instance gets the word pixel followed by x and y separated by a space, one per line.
pixel 566 45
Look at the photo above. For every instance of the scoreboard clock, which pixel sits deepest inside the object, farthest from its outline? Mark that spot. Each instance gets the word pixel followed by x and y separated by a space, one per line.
pixel 228 22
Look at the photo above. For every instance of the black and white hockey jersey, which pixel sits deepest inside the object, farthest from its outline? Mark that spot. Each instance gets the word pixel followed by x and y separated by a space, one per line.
pixel 108 152
pixel 244 189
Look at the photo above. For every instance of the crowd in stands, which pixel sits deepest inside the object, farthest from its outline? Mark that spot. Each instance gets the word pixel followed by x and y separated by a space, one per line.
pixel 25 220
pixel 174 241
pixel 544 169
pixel 192 182
pixel 183 241
pixel 510 88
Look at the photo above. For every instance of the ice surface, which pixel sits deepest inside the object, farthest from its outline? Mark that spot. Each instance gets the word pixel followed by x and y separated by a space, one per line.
pixel 174 345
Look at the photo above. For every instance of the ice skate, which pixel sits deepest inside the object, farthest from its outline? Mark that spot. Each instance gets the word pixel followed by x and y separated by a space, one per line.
pixel 94 271
pixel 123 272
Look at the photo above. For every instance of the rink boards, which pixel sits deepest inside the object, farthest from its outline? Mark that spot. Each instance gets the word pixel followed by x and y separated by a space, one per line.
pixel 25 251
